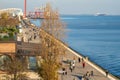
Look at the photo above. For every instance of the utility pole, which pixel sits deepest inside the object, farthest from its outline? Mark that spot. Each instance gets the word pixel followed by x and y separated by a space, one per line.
pixel 25 8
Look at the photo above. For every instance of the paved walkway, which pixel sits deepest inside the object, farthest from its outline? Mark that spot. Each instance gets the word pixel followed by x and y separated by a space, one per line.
pixel 79 71
pixel 30 33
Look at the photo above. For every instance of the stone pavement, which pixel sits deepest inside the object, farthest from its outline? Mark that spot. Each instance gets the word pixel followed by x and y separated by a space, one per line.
pixel 79 71
pixel 30 33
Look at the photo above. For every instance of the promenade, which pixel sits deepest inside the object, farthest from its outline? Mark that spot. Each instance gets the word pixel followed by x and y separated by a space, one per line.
pixel 30 33
pixel 79 71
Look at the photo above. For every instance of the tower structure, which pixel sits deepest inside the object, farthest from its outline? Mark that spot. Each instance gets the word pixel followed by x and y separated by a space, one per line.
pixel 25 6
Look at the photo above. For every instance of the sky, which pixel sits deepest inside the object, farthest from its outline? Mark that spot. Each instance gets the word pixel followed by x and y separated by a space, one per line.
pixel 110 7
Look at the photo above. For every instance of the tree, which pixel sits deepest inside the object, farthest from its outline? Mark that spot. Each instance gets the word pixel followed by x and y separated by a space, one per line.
pixel 15 68
pixel 52 31
pixel 8 25
pixel 8 21
pixel 4 15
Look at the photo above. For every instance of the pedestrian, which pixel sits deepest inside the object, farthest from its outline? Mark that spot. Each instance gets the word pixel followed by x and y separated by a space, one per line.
pixel 71 68
pixel 106 73
pixel 65 72
pixel 79 60
pixel 91 73
pixel 74 61
pixel 73 65
pixel 83 64
pixel 88 74
pixel 82 59
pixel 63 69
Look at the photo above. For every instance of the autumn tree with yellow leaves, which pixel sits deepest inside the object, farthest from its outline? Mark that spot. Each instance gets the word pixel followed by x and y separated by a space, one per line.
pixel 51 34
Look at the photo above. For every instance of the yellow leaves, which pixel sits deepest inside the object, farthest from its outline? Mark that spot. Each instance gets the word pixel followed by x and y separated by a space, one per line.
pixel 51 29
pixel 7 21
pixel 4 15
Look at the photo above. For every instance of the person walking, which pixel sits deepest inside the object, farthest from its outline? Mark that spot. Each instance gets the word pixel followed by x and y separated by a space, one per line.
pixel 106 73
pixel 87 74
pixel 63 69
pixel 91 73
pixel 82 59
pixel 73 65
pixel 65 72
pixel 71 68
pixel 79 60
pixel 83 64
pixel 74 60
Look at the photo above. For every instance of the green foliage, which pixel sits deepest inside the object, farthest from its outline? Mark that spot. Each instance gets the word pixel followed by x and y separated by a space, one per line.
pixel 8 30
pixel 11 31
pixel 3 30
pixel 5 37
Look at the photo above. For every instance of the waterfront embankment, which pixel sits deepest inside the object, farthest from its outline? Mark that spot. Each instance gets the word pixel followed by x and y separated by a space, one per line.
pixel 100 72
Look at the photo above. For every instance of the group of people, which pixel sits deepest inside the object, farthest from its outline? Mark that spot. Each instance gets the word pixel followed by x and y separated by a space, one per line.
pixel 72 65
pixel 87 76
pixel 31 33
pixel 83 62
pixel 64 71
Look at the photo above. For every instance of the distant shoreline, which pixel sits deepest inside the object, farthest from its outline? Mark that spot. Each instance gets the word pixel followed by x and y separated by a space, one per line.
pixel 84 15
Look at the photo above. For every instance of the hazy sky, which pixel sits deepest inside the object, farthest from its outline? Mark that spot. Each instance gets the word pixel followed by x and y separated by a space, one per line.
pixel 69 6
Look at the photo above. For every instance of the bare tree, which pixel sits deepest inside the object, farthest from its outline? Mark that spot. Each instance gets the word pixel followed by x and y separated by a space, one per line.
pixel 7 21
pixel 15 68
pixel 52 31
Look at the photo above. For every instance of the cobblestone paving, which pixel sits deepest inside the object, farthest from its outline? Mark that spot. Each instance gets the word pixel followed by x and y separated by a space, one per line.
pixel 79 71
